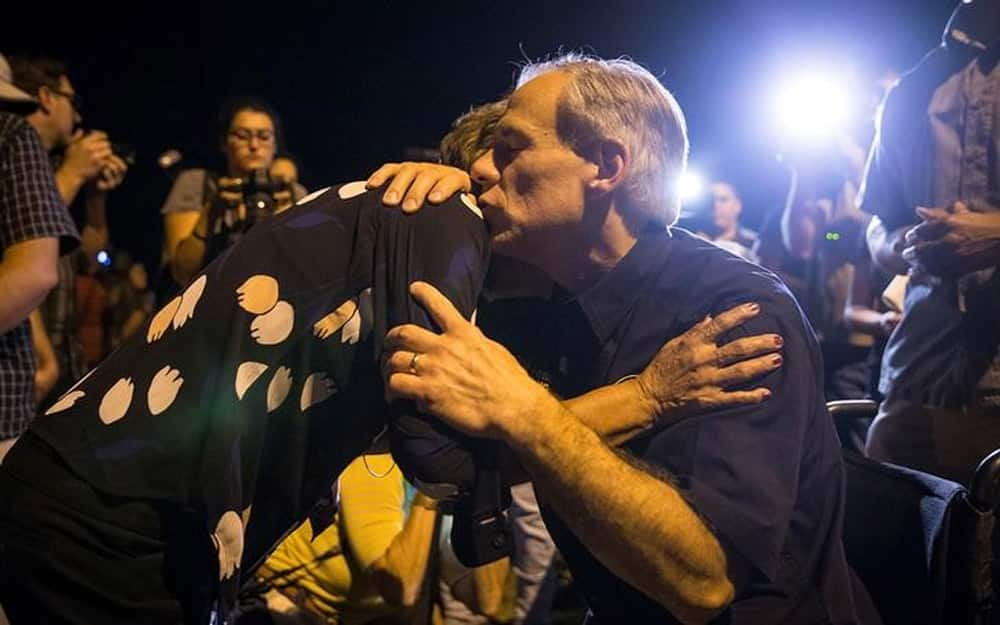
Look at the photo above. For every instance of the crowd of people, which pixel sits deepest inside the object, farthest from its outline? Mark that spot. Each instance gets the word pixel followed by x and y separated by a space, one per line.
pixel 433 394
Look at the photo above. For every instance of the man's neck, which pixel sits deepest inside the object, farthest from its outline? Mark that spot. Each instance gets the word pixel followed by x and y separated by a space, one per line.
pixel 38 123
pixel 729 233
pixel 596 253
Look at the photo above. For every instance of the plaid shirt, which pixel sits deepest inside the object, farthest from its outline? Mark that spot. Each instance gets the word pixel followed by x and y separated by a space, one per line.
pixel 30 208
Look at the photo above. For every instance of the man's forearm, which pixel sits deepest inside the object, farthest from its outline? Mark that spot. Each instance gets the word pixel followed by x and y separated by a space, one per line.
pixel 23 294
pixel 47 370
pixel 69 184
pixel 635 523
pixel 862 319
pixel 94 236
pixel 27 274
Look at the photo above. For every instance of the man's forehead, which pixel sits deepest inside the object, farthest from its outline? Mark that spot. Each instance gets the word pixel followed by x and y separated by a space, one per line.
pixel 535 102
pixel 512 124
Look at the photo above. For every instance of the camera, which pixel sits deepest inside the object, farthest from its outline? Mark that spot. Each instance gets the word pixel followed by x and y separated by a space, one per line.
pixel 125 152
pixel 258 191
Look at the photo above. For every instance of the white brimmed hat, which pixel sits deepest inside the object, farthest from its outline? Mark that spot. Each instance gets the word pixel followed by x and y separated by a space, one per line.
pixel 12 98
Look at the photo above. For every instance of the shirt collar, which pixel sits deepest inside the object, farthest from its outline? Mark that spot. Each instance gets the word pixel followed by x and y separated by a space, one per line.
pixel 606 303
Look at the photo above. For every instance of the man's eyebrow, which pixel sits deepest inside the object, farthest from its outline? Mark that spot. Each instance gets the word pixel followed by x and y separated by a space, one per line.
pixel 508 130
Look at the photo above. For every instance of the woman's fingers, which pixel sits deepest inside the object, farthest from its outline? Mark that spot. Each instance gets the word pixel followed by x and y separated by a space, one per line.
pixel 745 371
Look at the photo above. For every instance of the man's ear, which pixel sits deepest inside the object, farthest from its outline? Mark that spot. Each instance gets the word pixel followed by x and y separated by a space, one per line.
pixel 45 97
pixel 613 160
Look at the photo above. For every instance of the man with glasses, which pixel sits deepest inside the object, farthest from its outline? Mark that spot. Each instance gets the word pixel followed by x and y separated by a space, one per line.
pixel 33 223
pixel 86 157
pixel 83 160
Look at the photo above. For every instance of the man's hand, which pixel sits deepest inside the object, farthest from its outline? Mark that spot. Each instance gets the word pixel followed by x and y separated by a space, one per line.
pixel 888 321
pixel 87 154
pixel 955 241
pixel 460 376
pixel 416 183
pixel 690 373
pixel 231 194
pixel 111 175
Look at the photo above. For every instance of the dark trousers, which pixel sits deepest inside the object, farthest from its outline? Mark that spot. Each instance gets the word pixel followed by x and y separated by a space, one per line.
pixel 72 555
pixel 940 441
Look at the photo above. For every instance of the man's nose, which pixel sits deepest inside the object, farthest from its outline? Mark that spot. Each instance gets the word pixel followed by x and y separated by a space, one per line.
pixel 484 172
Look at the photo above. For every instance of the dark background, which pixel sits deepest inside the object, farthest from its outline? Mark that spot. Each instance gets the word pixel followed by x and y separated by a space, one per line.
pixel 356 83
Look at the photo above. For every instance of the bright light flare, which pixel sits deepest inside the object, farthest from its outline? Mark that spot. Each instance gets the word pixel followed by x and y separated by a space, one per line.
pixel 691 185
pixel 812 107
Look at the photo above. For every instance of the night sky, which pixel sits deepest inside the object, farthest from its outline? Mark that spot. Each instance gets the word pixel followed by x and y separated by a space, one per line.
pixel 356 83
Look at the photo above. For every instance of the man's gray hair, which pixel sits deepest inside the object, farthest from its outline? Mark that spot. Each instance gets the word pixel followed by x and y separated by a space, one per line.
pixel 621 100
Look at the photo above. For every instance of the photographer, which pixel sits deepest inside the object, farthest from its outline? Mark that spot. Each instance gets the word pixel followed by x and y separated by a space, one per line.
pixel 84 161
pixel 205 213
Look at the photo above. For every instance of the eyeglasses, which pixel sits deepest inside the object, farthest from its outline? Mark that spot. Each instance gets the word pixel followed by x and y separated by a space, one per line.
pixel 74 99
pixel 246 135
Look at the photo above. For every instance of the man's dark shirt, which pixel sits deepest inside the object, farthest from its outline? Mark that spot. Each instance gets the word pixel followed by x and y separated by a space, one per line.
pixel 767 479
pixel 30 208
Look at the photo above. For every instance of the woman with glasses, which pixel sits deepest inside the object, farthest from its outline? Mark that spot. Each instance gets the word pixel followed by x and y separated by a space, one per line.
pixel 205 213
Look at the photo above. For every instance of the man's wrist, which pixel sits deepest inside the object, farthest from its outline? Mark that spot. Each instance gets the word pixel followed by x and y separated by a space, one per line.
pixel 994 229
pixel 71 178
pixel 521 429
pixel 69 182
pixel 95 194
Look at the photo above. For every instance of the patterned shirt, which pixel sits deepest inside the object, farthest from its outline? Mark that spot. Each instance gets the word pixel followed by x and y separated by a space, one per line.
pixel 246 395
pixel 30 208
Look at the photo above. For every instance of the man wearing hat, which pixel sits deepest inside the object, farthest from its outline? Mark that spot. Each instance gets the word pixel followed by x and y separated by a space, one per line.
pixel 85 165
pixel 34 225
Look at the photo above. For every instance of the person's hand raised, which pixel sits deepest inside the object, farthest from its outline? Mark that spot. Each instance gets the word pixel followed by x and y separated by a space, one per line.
pixel 413 184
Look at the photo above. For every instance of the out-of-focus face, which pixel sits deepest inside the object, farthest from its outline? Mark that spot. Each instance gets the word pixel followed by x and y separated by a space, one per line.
pixel 62 114
pixel 726 206
pixel 250 142
pixel 534 185
pixel 284 169
pixel 138 277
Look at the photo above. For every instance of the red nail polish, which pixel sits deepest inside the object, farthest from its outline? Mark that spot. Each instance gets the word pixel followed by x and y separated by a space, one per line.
pixel 754 307
pixel 779 341
pixel 776 359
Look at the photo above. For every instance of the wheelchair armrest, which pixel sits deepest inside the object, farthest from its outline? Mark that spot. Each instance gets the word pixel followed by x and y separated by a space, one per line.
pixel 984 491
pixel 846 410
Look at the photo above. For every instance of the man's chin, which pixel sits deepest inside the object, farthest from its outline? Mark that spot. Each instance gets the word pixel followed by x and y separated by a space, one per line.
pixel 511 245
pixel 502 242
